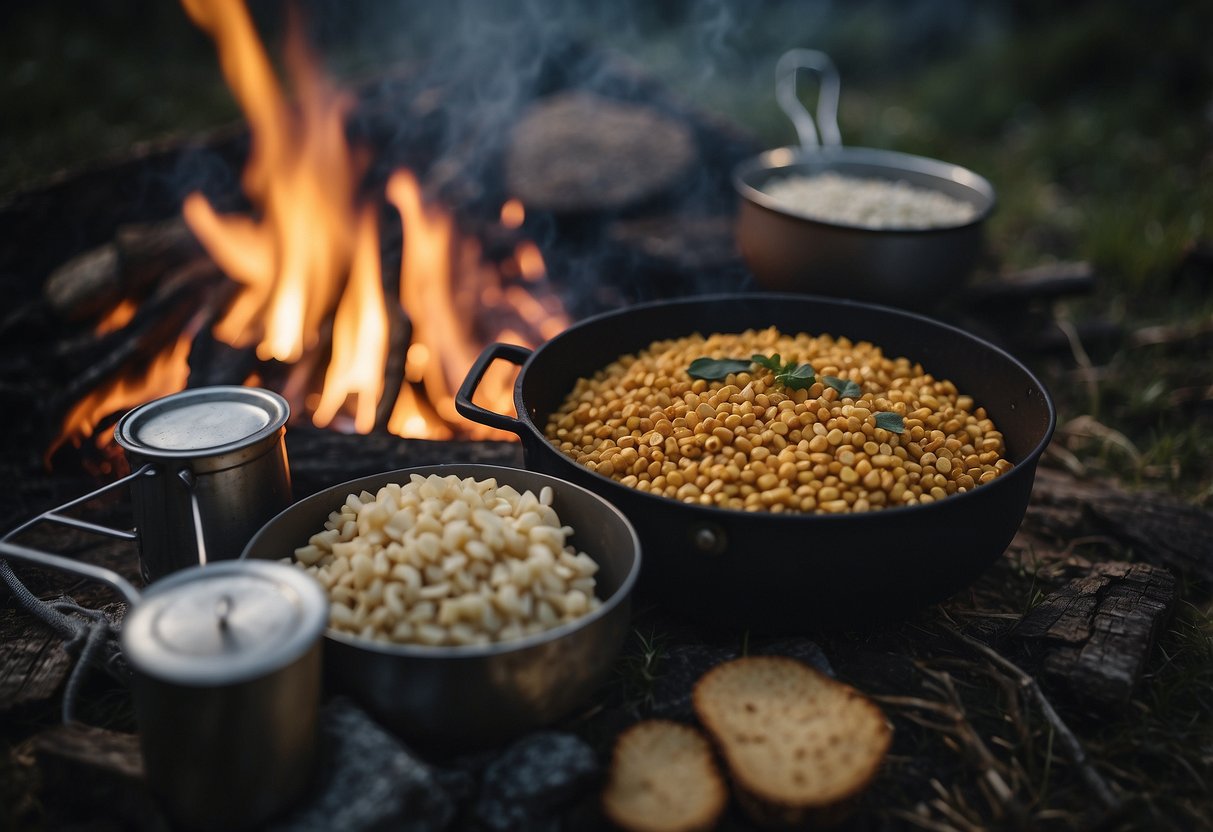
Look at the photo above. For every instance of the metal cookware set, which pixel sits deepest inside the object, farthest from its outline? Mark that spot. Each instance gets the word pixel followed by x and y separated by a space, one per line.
pixel 225 643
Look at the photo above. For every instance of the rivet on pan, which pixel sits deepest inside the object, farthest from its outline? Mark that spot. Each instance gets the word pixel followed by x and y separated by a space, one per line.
pixel 706 539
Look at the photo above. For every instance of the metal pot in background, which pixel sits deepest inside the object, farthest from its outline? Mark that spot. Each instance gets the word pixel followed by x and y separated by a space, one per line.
pixel 788 251
pixel 226 660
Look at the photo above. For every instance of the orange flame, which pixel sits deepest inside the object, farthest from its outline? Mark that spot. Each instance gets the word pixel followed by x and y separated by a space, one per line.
pixel 306 263
pixel 117 317
pixel 359 337
pixel 167 373
pixel 301 175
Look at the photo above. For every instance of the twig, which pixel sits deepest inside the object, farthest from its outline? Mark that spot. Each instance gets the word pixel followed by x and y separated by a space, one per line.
pixel 1003 794
pixel 1081 358
pixel 1077 754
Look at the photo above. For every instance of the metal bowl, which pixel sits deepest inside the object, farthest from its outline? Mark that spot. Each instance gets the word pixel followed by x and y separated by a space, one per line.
pixel 788 251
pixel 454 698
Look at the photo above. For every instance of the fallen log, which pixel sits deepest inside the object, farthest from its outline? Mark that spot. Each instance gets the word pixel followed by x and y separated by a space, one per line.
pixel 33 663
pixel 1155 528
pixel 1093 636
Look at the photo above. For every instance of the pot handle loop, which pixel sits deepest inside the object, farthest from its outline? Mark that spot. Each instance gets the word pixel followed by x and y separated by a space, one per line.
pixel 55 515
pixel 463 399
pixel 790 63
pixel 187 477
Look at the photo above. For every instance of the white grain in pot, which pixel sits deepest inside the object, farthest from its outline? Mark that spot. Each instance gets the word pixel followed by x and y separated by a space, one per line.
pixel 442 561
pixel 869 203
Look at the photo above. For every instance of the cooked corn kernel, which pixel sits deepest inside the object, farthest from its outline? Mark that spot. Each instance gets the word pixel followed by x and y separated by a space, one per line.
pixel 748 443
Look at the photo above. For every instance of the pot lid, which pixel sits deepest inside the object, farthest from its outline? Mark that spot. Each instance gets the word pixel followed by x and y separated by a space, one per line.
pixel 210 420
pixel 225 622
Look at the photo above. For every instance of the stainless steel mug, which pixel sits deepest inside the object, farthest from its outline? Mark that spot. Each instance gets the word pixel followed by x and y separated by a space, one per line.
pixel 218 471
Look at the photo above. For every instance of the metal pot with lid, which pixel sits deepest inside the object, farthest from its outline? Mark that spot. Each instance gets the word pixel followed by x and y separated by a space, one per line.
pixel 788 249
pixel 226 683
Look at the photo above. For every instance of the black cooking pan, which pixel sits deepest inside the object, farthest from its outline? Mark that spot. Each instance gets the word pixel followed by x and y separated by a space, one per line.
pixel 791 571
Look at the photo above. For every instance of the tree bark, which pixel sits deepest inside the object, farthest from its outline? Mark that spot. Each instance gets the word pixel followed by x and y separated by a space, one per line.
pixel 1094 635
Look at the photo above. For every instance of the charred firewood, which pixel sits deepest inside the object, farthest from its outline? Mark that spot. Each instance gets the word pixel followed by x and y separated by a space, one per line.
pixel 1094 635
pixel 399 335
pixel 158 322
pixel 1160 529
pixel 91 283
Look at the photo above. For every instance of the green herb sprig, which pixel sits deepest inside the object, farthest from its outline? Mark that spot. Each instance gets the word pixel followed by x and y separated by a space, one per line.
pixel 892 422
pixel 715 369
pixel 846 388
pixel 791 375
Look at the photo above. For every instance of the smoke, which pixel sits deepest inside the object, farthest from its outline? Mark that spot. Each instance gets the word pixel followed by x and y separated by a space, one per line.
pixel 476 66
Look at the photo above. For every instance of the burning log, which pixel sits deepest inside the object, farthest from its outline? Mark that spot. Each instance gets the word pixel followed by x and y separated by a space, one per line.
pixel 1093 635
pixel 159 320
pixel 90 284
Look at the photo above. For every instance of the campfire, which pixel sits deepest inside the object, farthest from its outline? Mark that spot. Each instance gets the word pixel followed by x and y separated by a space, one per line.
pixel 303 286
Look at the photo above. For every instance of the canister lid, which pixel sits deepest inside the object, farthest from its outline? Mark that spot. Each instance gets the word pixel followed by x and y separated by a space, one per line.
pixel 211 420
pixel 225 622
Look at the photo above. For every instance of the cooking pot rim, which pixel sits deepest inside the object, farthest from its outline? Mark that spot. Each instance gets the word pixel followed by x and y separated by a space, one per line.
pixel 890 160
pixel 468 652
pixel 1027 463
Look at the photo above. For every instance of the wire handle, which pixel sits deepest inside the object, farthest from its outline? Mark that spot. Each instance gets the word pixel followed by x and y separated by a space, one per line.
pixel 786 71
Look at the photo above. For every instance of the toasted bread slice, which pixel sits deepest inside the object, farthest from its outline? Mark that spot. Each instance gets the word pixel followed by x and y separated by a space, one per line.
pixel 664 778
pixel 798 745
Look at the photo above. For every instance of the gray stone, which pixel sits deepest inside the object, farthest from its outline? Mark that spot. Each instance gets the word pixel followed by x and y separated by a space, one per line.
pixel 535 781
pixel 367 780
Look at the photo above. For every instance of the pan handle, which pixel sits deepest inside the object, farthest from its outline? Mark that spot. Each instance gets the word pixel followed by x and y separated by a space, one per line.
pixel 463 399
pixel 786 71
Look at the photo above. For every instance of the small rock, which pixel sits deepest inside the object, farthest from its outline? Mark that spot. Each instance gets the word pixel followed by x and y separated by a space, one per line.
pixel 530 785
pixel 367 780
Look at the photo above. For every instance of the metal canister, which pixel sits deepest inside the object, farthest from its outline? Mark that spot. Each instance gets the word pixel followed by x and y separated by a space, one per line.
pixel 220 472
pixel 227 685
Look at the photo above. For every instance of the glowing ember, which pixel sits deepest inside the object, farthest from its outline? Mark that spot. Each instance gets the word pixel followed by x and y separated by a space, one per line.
pixel 167 373
pixel 513 214
pixel 306 263
pixel 118 317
